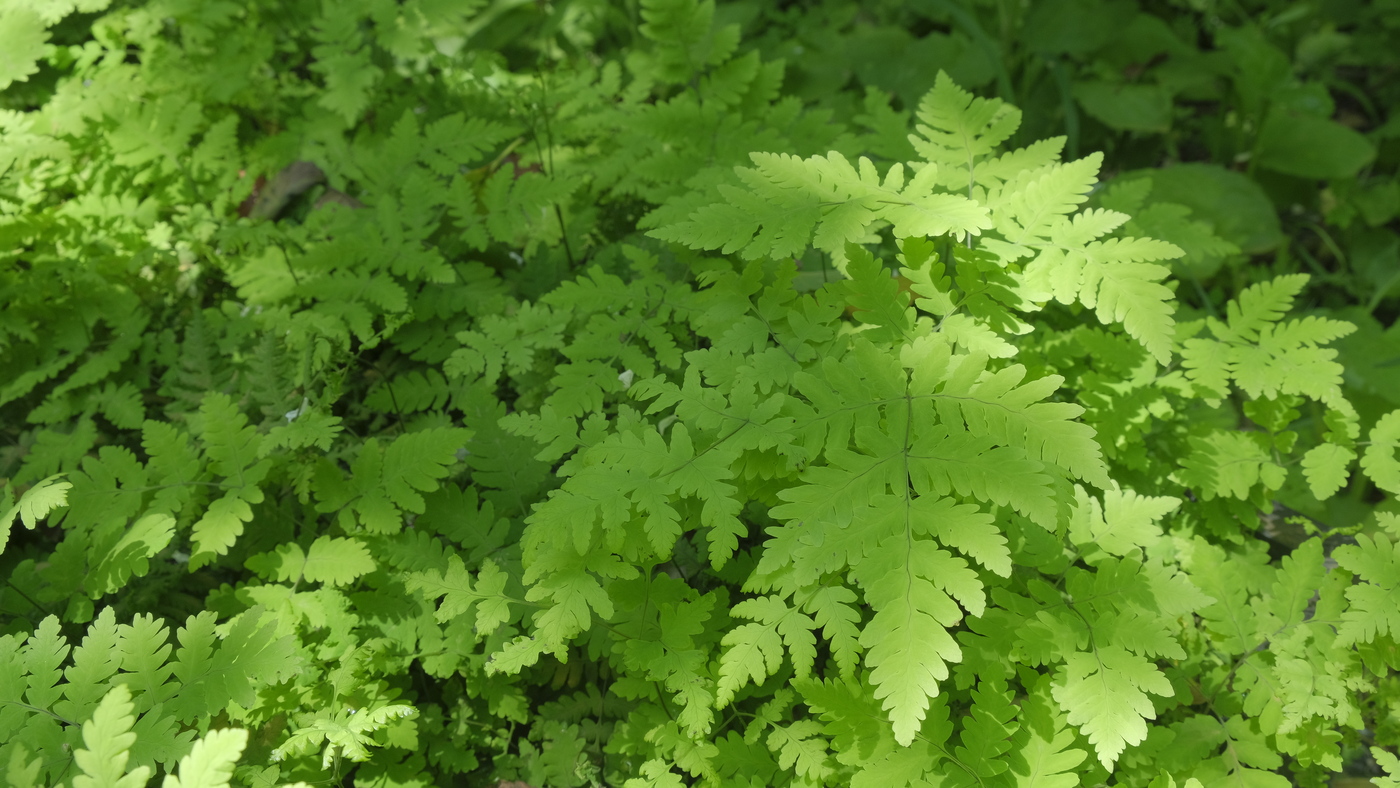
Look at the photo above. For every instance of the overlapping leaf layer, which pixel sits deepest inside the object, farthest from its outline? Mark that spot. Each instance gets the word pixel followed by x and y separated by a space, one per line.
pixel 845 471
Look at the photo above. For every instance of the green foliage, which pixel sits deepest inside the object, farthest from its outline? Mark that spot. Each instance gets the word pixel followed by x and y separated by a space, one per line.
pixel 378 344
pixel 36 502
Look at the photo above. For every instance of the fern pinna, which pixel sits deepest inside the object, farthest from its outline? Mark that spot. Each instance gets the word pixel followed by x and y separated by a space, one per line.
pixel 468 484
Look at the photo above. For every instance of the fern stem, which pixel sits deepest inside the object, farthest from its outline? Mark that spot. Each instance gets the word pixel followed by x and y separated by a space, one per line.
pixel 1331 245
pixel 1201 291
pixel 38 710
pixel 31 600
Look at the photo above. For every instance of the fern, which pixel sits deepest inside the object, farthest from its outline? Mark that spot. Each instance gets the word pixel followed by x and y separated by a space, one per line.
pixel 211 760
pixel 121 678
pixel 1264 357
pixel 35 504
pixel 455 587
pixel 1370 616
pixel 1107 696
pixel 107 738
pixel 466 463
pixel 787 200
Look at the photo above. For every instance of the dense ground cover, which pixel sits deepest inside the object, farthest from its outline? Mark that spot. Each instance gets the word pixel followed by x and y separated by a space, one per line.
pixel 669 393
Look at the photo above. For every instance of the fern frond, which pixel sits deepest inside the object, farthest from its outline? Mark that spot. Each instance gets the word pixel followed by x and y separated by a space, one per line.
pixel 459 597
pixel 95 661
pixel 220 526
pixel 1379 460
pixel 752 653
pixel 33 505
pixel 1287 361
pixel 211 677
pixel 113 562
pixel 230 442
pixel 416 461
pixel 1047 759
pixel 800 747
pixel 685 36
pixel 332 560
pixel 986 734
pixel 1014 415
pixel 1033 210
pixel 908 584
pixel 1232 621
pixel 771 614
pixel 1326 466
pixel 1390 764
pixel 833 609
pixel 876 296
pixel 211 761
pixel 1225 463
pixel 1208 365
pixel 1259 305
pixel 1373 612
pixel 346 732
pixel 1105 694
pixel 1126 291
pixel 968 464
pixel 788 199
pixel 959 131
pixel 1264 357
pixel 171 463
pixel 107 740
pixel 1124 524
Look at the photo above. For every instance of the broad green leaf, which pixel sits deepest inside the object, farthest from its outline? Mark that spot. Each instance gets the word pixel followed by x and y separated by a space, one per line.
pixel 1262 69
pixel 1235 205
pixel 891 58
pixel 1073 27
pixel 1126 107
pixel 1311 147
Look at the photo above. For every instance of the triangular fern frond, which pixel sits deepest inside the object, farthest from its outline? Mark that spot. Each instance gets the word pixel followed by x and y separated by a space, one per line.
pixel 957 131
